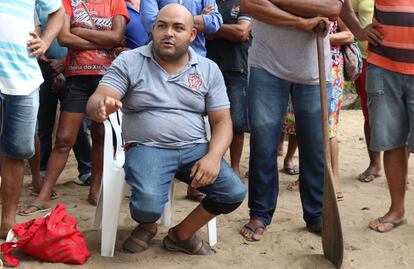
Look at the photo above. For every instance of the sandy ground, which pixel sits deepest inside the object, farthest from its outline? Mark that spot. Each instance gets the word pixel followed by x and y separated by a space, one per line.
pixel 286 243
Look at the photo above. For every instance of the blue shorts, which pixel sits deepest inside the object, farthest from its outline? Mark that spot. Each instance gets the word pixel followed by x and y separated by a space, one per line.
pixel 18 114
pixel 150 170
pixel 391 108
pixel 236 83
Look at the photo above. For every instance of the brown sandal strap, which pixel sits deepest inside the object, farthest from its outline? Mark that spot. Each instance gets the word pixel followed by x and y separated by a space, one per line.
pixel 193 245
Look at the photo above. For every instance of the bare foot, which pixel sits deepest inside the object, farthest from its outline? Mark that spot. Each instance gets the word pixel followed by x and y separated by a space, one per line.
pixel 253 231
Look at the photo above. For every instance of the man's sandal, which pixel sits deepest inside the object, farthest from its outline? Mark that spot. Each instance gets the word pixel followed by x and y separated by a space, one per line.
pixel 253 229
pixel 193 245
pixel 139 240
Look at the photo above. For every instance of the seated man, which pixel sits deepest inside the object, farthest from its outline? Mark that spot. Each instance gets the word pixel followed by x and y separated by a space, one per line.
pixel 164 90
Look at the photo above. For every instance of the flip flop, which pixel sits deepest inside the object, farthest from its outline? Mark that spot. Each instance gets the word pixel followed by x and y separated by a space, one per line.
pixel 368 177
pixel 253 230
pixel 39 209
pixel 394 224
pixel 294 170
pixel 193 245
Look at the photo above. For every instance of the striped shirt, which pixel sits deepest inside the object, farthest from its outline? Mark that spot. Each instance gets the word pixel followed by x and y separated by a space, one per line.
pixel 19 73
pixel 396 52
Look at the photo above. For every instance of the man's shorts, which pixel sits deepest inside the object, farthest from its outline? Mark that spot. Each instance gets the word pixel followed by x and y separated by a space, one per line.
pixel 236 83
pixel 18 115
pixel 77 91
pixel 391 108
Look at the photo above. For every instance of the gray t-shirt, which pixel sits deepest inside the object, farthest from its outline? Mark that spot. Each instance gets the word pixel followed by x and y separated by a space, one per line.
pixel 161 110
pixel 287 53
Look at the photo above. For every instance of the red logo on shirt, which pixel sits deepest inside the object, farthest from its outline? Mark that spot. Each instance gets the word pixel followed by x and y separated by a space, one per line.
pixel 194 81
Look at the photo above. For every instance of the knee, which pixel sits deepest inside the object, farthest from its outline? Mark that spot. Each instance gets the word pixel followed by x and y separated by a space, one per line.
pixel 64 143
pixel 228 203
pixel 146 207
pixel 218 208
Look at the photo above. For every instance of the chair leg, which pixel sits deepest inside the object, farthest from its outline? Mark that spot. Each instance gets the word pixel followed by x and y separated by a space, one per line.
pixel 166 217
pixel 212 232
pixel 113 194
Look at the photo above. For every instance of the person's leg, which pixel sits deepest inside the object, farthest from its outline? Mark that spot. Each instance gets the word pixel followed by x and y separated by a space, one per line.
pixel 83 152
pixel 149 171
pixel 17 130
pixel 48 100
pixel 97 134
pixel 34 164
pixel 306 103
pixel 390 111
pixel 395 167
pixel 11 185
pixel 333 121
pixel 374 167
pixel 222 197
pixel 236 149
pixel 67 132
pixel 268 99
pixel 236 84
pixel 288 166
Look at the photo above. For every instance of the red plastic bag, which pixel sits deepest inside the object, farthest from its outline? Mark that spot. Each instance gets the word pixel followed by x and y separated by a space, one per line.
pixel 53 238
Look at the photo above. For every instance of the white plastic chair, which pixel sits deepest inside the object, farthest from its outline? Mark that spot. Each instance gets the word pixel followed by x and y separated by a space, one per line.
pixel 114 188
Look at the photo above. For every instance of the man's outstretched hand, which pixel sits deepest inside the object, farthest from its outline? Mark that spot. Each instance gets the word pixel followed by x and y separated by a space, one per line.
pixel 105 107
pixel 205 171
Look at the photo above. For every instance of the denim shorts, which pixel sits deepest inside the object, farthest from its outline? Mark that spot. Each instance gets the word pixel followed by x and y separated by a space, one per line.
pixel 236 83
pixel 77 91
pixel 391 108
pixel 18 114
pixel 150 170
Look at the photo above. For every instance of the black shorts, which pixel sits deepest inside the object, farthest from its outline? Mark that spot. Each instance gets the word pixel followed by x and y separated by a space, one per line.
pixel 77 91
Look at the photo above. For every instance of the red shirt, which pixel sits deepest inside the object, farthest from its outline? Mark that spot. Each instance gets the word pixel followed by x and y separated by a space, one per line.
pixel 92 14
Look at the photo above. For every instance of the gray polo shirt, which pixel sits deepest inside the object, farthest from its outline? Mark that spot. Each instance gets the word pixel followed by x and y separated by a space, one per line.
pixel 161 110
pixel 287 53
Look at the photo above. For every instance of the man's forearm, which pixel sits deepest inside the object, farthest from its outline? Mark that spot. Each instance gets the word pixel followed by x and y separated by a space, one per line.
pixel 75 42
pixel 105 39
pixel 199 23
pixel 265 11
pixel 350 19
pixel 221 137
pixel 53 26
pixel 235 32
pixel 310 8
